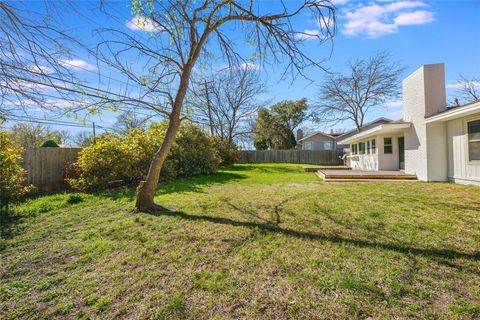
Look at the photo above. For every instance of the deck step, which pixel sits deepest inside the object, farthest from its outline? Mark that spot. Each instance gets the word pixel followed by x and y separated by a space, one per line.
pixel 356 175
pixel 316 168
pixel 369 180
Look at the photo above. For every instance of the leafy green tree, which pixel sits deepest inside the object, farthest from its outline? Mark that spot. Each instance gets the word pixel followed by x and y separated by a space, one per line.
pixel 274 127
pixel 49 144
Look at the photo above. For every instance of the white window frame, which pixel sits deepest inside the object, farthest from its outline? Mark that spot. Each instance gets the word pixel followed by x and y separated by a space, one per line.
pixel 389 145
pixel 467 145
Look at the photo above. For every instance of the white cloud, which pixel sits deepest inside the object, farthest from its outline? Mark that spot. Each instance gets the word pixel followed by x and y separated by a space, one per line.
pixel 414 18
pixel 377 19
pixel 143 24
pixel 339 2
pixel 77 64
pixel 394 104
pixel 475 84
pixel 308 35
pixel 40 69
pixel 396 114
pixel 245 66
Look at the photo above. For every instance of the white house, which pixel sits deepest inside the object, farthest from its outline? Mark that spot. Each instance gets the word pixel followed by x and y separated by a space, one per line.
pixel 432 141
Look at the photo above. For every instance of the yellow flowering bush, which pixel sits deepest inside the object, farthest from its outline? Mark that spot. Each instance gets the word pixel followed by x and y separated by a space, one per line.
pixel 127 158
pixel 11 172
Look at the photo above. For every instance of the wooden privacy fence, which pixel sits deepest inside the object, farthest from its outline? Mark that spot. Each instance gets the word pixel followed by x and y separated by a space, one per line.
pixel 330 157
pixel 46 166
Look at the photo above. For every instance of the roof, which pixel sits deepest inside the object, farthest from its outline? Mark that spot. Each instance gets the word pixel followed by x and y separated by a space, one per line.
pixel 365 127
pixel 344 135
pixel 456 112
pixel 391 127
pixel 315 133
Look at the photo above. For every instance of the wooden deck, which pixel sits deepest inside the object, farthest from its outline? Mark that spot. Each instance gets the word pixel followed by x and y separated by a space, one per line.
pixel 316 168
pixel 328 175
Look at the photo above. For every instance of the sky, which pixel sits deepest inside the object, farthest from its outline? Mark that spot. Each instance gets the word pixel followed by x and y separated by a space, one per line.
pixel 413 32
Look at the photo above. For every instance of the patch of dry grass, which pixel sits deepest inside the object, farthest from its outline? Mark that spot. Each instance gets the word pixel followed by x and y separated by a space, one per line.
pixel 253 241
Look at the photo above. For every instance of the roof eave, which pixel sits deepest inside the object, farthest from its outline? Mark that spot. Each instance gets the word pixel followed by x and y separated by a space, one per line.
pixel 455 113
pixel 383 128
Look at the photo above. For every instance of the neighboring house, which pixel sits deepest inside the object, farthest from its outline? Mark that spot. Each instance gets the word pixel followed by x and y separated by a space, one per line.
pixel 317 141
pixel 432 141
pixel 323 141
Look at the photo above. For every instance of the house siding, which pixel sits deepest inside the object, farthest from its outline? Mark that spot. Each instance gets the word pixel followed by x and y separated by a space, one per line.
pixel 318 142
pixel 460 169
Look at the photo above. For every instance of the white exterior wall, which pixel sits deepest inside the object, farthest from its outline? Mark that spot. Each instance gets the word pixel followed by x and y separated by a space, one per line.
pixel 389 161
pixel 365 161
pixel 460 169
pixel 379 160
pixel 425 148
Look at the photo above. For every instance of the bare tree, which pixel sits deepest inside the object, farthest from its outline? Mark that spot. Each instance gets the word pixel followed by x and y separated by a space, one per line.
pixel 31 53
pixel 228 99
pixel 83 139
pixel 469 88
pixel 180 33
pixel 30 135
pixel 368 84
pixel 131 120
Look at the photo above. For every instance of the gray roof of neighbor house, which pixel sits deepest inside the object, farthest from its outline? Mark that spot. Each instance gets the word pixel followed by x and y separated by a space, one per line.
pixel 315 133
pixel 342 136
pixel 366 126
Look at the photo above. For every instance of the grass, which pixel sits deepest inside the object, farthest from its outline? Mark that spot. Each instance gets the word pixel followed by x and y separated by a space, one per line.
pixel 252 241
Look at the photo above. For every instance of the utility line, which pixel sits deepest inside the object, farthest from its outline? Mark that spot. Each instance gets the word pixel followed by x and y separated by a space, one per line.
pixel 53 122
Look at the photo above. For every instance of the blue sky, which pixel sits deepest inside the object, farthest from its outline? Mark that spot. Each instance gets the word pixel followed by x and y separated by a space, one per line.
pixel 414 32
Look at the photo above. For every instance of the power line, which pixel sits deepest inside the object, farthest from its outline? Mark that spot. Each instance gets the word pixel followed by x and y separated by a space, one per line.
pixel 54 122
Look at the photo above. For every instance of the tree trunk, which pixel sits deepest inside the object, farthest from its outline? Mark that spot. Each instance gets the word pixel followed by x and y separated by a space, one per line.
pixel 146 189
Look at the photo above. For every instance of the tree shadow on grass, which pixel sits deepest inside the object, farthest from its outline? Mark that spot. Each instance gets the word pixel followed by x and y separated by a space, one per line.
pixel 197 183
pixel 190 184
pixel 271 227
pixel 9 226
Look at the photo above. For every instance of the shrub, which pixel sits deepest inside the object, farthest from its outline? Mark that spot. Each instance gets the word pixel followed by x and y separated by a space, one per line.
pixel 74 199
pixel 49 144
pixel 128 157
pixel 11 172
pixel 227 152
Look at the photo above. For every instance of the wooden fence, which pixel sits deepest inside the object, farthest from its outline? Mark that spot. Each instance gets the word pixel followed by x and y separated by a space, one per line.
pixel 46 166
pixel 330 157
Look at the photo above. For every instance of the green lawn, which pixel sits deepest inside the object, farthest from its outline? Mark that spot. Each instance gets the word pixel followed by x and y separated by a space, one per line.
pixel 254 242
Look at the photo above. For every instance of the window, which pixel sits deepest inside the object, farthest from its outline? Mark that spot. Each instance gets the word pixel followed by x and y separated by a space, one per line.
pixel 387 146
pixel 327 145
pixel 474 140
pixel 368 147
pixel 361 147
pixel 308 146
pixel 374 147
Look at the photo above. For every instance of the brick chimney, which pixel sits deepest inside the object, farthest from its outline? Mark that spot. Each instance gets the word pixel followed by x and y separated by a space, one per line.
pixel 424 92
pixel 424 95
